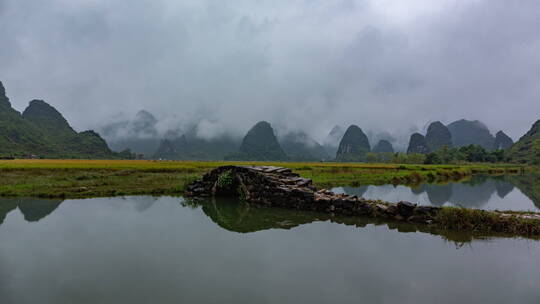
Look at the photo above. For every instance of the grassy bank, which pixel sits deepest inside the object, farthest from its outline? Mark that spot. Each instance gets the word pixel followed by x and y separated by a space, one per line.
pixel 95 178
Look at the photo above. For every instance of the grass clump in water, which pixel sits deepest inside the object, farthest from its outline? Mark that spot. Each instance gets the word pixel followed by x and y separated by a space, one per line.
pixel 463 219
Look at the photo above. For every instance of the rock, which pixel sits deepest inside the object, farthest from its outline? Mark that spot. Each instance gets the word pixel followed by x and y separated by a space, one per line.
pixel 467 132
pixel 406 209
pixel 438 136
pixel 502 141
pixel 426 210
pixel 417 144
pixel 383 146
pixel 353 146
pixel 260 143
pixel 4 100
pixel 42 131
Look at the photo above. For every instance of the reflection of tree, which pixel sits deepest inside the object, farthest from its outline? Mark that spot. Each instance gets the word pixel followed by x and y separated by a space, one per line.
pixel 36 209
pixel 529 185
pixel 439 194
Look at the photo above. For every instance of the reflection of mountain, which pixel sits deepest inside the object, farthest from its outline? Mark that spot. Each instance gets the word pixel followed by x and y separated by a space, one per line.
pixel 473 193
pixel 32 209
pixel 472 196
pixel 417 190
pixel 36 209
pixel 142 203
pixel 358 191
pixel 503 186
pixel 439 194
pixel 529 185
pixel 6 205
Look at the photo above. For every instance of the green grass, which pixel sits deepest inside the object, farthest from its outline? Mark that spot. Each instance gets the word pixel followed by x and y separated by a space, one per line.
pixel 462 219
pixel 98 178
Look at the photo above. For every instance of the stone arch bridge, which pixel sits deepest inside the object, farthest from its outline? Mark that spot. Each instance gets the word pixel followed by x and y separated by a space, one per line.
pixel 280 187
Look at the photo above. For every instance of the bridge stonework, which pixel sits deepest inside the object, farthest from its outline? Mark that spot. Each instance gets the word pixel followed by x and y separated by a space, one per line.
pixel 280 187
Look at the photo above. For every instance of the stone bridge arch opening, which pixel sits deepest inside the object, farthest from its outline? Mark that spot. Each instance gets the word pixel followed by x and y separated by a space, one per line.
pixel 258 184
pixel 228 184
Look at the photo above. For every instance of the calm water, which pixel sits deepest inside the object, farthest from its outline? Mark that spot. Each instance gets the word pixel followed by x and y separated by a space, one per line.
pixel 167 250
pixel 519 192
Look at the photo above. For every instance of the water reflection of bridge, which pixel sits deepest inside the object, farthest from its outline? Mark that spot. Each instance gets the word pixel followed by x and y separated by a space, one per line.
pixel 233 216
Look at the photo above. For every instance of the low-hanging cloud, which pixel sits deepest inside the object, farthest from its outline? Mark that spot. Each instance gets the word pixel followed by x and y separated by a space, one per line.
pixel 307 65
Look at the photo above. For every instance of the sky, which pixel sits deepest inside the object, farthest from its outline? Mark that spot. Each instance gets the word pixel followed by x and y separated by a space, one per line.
pixel 384 65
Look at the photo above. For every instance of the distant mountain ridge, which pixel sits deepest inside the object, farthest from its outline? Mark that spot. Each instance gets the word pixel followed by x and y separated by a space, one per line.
pixel 139 134
pixel 383 146
pixel 189 146
pixel 47 118
pixel 354 145
pixel 467 132
pixel 42 131
pixel 438 136
pixel 460 133
pixel 260 143
pixel 301 147
pixel 502 141
pixel 417 144
pixel 527 148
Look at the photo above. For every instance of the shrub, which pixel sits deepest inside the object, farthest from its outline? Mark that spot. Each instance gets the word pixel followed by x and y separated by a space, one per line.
pixel 225 180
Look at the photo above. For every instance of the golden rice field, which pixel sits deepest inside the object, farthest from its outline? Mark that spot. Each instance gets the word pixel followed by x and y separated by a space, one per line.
pixel 155 164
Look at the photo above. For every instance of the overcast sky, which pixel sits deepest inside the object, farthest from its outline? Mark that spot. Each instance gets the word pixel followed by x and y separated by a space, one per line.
pixel 381 64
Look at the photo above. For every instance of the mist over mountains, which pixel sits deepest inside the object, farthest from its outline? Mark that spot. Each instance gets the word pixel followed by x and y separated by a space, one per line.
pixel 146 134
pixel 266 142
pixel 42 131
